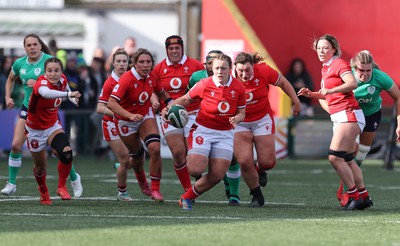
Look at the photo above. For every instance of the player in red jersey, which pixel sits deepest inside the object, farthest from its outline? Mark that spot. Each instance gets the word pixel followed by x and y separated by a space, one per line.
pixel 337 98
pixel 258 128
pixel 27 69
pixel 120 61
pixel 174 73
pixel 222 107
pixel 43 127
pixel 135 120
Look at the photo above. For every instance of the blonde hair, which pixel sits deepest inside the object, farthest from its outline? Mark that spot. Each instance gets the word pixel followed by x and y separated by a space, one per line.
pixel 363 57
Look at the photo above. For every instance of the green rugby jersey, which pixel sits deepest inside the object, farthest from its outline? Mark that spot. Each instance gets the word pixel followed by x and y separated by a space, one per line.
pixel 196 77
pixel 368 93
pixel 27 70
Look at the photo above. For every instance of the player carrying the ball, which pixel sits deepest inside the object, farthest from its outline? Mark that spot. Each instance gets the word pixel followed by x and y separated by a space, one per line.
pixel 222 107
pixel 232 176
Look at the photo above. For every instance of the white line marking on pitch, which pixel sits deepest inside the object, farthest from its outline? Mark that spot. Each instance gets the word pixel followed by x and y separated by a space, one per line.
pixel 124 216
pixel 195 217
pixel 110 198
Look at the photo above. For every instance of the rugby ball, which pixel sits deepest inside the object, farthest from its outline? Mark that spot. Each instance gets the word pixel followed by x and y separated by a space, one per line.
pixel 178 116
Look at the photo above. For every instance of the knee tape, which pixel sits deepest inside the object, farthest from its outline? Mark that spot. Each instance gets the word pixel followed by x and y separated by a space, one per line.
pixel 363 150
pixel 151 138
pixel 349 157
pixel 60 141
pixel 340 154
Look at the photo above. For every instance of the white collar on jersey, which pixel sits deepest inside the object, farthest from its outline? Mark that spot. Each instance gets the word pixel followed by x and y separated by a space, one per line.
pixel 328 63
pixel 114 76
pixel 218 84
pixel 183 60
pixel 135 73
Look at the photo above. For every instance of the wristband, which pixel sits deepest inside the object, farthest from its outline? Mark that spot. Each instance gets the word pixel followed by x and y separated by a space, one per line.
pixel 168 100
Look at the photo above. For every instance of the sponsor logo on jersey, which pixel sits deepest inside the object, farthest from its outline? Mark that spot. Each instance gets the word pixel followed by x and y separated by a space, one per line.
pixel 223 107
pixel 143 97
pixel 175 83
pixel 249 97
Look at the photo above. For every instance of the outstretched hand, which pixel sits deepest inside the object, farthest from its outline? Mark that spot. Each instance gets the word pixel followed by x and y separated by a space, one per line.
pixel 304 92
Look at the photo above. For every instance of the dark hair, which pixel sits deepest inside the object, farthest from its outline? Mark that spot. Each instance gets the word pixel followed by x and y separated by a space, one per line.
pixel 297 60
pixel 53 60
pixel 212 54
pixel 244 57
pixel 142 51
pixel 44 49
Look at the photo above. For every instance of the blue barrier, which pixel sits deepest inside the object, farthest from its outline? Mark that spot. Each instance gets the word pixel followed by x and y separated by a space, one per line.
pixel 8 120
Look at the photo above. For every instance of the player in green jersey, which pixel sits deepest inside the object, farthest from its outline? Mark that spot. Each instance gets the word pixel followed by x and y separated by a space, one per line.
pixel 28 68
pixel 371 82
pixel 232 177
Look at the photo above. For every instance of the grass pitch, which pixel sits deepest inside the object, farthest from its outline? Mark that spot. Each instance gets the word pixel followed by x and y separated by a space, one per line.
pixel 301 209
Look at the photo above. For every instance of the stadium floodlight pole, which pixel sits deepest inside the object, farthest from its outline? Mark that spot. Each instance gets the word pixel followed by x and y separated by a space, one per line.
pixel 183 22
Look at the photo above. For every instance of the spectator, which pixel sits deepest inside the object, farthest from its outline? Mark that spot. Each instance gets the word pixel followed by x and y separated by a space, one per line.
pixel 73 120
pixel 99 73
pixel 5 68
pixel 130 45
pixel 299 77
pixel 57 52
pixel 87 86
pixel 3 79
